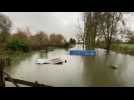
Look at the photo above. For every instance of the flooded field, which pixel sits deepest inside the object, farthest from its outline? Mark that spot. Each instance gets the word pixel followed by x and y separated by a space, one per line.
pixel 78 71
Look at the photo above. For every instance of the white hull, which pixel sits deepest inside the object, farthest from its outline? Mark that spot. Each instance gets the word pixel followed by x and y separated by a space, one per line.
pixel 51 61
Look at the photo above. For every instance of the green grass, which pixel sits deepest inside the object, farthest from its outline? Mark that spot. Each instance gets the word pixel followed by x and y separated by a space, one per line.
pixel 127 45
pixel 124 48
pixel 130 46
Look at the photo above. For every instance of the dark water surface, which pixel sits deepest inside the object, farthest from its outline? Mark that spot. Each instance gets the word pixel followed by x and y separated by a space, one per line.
pixel 78 71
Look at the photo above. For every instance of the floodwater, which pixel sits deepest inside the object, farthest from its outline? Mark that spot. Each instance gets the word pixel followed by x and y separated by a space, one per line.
pixel 77 71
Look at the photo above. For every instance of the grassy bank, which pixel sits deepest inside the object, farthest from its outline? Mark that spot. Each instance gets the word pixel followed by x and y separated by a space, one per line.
pixel 124 48
pixel 19 55
pixel 15 56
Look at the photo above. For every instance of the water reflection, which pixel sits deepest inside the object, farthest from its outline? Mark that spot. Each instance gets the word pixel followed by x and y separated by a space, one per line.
pixel 43 54
pixel 17 60
pixel 97 71
pixel 78 71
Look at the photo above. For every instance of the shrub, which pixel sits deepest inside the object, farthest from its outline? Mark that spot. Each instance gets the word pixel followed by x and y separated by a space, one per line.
pixel 17 44
pixel 72 41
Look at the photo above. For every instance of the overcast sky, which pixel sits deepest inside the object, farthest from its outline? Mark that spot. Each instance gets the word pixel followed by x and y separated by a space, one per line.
pixel 58 22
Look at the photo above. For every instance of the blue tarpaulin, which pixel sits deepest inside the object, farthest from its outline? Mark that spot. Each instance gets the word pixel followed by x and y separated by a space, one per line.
pixel 83 52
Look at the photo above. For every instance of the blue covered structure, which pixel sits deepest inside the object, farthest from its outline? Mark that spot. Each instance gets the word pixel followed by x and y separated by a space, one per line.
pixel 83 52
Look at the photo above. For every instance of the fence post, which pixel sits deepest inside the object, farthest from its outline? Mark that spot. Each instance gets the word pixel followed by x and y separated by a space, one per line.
pixel 2 80
pixel 4 61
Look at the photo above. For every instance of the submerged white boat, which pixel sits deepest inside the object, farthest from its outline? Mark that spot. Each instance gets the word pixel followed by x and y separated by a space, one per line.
pixel 49 61
pixel 41 61
pixel 56 61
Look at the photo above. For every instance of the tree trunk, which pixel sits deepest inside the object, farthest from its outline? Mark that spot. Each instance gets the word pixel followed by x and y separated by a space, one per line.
pixel 90 32
pixel 108 46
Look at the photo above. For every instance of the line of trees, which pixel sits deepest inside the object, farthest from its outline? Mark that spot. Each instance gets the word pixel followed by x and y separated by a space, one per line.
pixel 24 40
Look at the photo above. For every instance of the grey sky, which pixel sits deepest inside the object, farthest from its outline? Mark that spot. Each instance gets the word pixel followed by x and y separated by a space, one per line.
pixel 130 20
pixel 58 22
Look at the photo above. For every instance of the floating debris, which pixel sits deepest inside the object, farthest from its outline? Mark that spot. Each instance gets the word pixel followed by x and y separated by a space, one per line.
pixel 114 66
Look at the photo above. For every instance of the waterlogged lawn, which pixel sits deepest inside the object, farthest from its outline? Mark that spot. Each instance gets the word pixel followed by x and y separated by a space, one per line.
pixel 131 46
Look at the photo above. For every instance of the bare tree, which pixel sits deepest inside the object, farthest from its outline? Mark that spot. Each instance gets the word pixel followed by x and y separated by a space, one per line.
pixel 57 39
pixel 91 23
pixel 5 26
pixel 80 34
pixel 101 25
pixel 109 26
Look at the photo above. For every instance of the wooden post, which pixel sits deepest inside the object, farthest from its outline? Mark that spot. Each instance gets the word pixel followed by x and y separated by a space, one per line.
pixel 4 61
pixel 2 80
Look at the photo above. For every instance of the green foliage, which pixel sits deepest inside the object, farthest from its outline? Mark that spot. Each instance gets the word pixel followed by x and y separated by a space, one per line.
pixel 120 48
pixel 24 41
pixel 66 44
pixel 72 41
pixel 17 44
